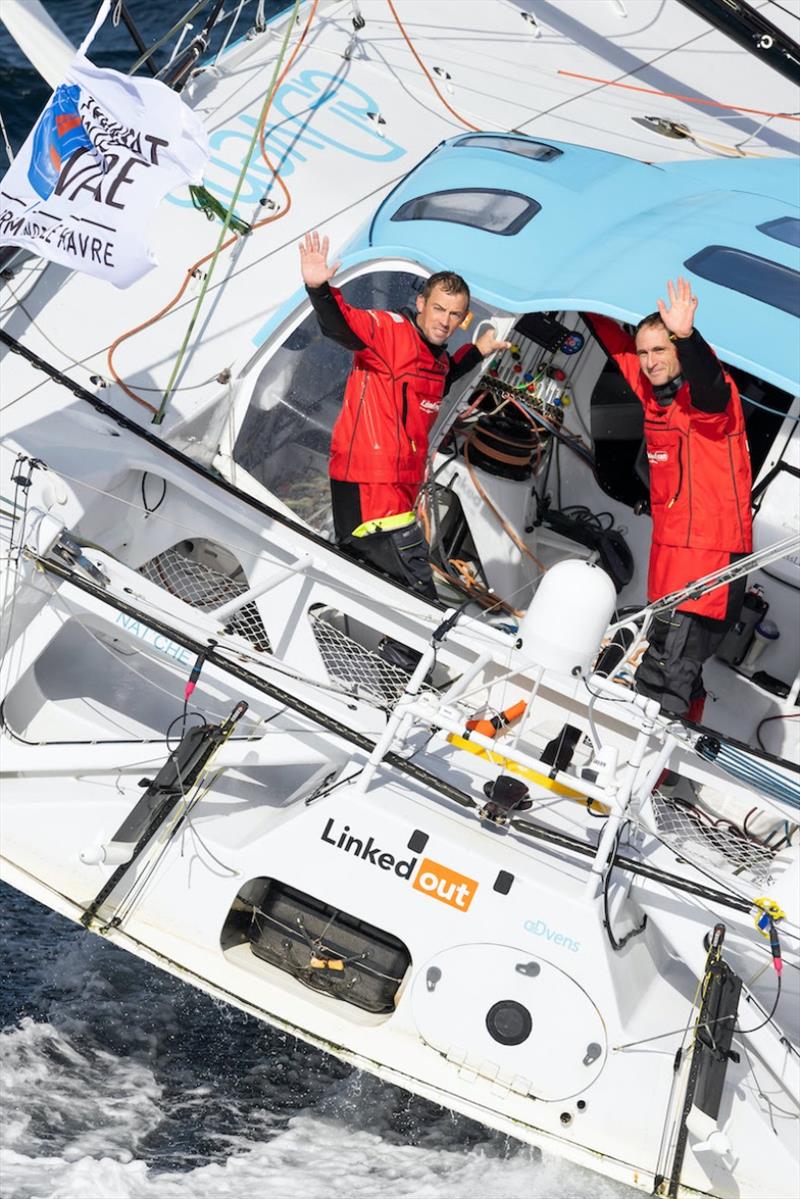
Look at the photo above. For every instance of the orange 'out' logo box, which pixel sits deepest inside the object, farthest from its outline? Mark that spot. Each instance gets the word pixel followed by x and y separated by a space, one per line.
pixel 438 881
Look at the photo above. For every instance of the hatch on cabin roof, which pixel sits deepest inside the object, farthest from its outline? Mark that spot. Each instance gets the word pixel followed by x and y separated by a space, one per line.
pixel 549 225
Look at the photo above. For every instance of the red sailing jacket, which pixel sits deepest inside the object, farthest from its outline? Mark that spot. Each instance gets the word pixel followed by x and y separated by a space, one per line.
pixel 391 399
pixel 699 461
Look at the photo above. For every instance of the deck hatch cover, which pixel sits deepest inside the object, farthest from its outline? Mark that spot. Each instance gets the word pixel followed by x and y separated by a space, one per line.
pixel 771 282
pixel 784 228
pixel 494 210
pixel 523 147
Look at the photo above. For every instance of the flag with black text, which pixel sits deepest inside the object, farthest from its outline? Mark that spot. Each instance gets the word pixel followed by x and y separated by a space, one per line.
pixel 84 186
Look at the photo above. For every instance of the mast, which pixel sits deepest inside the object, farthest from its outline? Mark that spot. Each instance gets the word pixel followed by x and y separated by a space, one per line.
pixel 739 21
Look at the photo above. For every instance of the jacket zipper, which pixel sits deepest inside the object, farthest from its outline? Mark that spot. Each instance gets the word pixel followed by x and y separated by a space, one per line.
pixel 404 417
pixel 732 469
pixel 355 424
pixel 680 474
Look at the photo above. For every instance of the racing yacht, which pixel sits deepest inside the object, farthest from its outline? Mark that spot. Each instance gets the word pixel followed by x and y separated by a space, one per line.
pixel 492 873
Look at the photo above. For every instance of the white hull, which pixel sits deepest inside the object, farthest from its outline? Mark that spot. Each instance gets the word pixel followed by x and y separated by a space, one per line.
pixel 348 792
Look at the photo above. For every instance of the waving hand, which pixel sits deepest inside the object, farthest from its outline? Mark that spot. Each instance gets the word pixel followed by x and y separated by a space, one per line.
pixel 679 316
pixel 314 260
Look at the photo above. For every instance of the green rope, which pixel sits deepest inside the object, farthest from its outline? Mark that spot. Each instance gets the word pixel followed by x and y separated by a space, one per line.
pixel 210 205
pixel 159 416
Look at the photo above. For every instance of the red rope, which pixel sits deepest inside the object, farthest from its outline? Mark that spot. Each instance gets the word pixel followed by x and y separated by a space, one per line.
pixel 427 73
pixel 629 87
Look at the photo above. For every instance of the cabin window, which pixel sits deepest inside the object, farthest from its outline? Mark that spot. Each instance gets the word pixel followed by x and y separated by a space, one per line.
pixel 494 211
pixel 523 147
pixel 784 228
pixel 765 280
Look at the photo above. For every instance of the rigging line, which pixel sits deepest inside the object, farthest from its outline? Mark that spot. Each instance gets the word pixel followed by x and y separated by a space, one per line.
pixel 505 526
pixel 267 661
pixel 273 666
pixel 119 418
pixel 198 790
pixel 761 1093
pixel 149 839
pixel 72 361
pixel 75 615
pixel 788 11
pixel 234 274
pixel 257 558
pixel 643 65
pixel 648 91
pixel 392 759
pixel 670 1113
pixel 11 573
pixel 231 28
pixel 81 363
pixel 193 11
pixel 258 136
pixel 169 451
pixel 191 827
pixel 426 72
pixel 672 1033
pixel 6 142
pixel 190 271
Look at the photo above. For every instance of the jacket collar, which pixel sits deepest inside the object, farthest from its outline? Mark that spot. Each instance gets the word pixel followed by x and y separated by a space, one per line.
pixel 410 316
pixel 665 393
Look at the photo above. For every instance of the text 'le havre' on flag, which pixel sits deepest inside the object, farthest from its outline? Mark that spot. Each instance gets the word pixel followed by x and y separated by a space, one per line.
pixel 101 156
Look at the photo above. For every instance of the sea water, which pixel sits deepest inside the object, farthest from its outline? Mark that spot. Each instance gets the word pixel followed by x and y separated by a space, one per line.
pixel 117 1080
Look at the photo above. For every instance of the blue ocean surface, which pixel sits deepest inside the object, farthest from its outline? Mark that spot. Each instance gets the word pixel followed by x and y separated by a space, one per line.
pixel 116 1080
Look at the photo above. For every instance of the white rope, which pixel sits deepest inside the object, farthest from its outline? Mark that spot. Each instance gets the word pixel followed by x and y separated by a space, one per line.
pixel 229 33
pixel 352 591
pixel 714 579
pixel 6 142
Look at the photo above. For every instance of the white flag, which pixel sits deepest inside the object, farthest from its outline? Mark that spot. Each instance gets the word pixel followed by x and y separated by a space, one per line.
pixel 105 150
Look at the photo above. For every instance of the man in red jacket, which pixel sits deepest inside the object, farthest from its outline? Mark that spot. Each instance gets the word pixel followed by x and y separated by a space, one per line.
pixel 379 447
pixel 699 489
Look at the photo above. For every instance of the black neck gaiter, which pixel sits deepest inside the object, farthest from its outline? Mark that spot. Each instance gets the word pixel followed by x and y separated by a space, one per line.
pixel 665 393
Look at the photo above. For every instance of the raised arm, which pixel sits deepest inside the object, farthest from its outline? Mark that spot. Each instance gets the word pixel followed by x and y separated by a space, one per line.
pixel 317 275
pixel 353 328
pixel 700 367
pixel 619 346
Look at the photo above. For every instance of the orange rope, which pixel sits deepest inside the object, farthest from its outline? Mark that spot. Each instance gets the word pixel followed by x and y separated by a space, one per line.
pixel 427 73
pixel 629 87
pixel 229 242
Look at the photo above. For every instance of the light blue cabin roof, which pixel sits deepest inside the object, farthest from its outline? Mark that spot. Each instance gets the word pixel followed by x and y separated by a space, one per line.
pixel 609 234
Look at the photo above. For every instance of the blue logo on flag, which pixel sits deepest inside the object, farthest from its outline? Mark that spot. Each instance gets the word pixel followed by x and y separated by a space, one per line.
pixel 59 133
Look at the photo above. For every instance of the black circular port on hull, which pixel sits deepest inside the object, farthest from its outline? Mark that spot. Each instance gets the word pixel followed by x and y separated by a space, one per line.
pixel 508 1022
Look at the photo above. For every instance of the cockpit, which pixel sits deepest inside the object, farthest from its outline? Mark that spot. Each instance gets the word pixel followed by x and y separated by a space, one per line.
pixel 538 454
